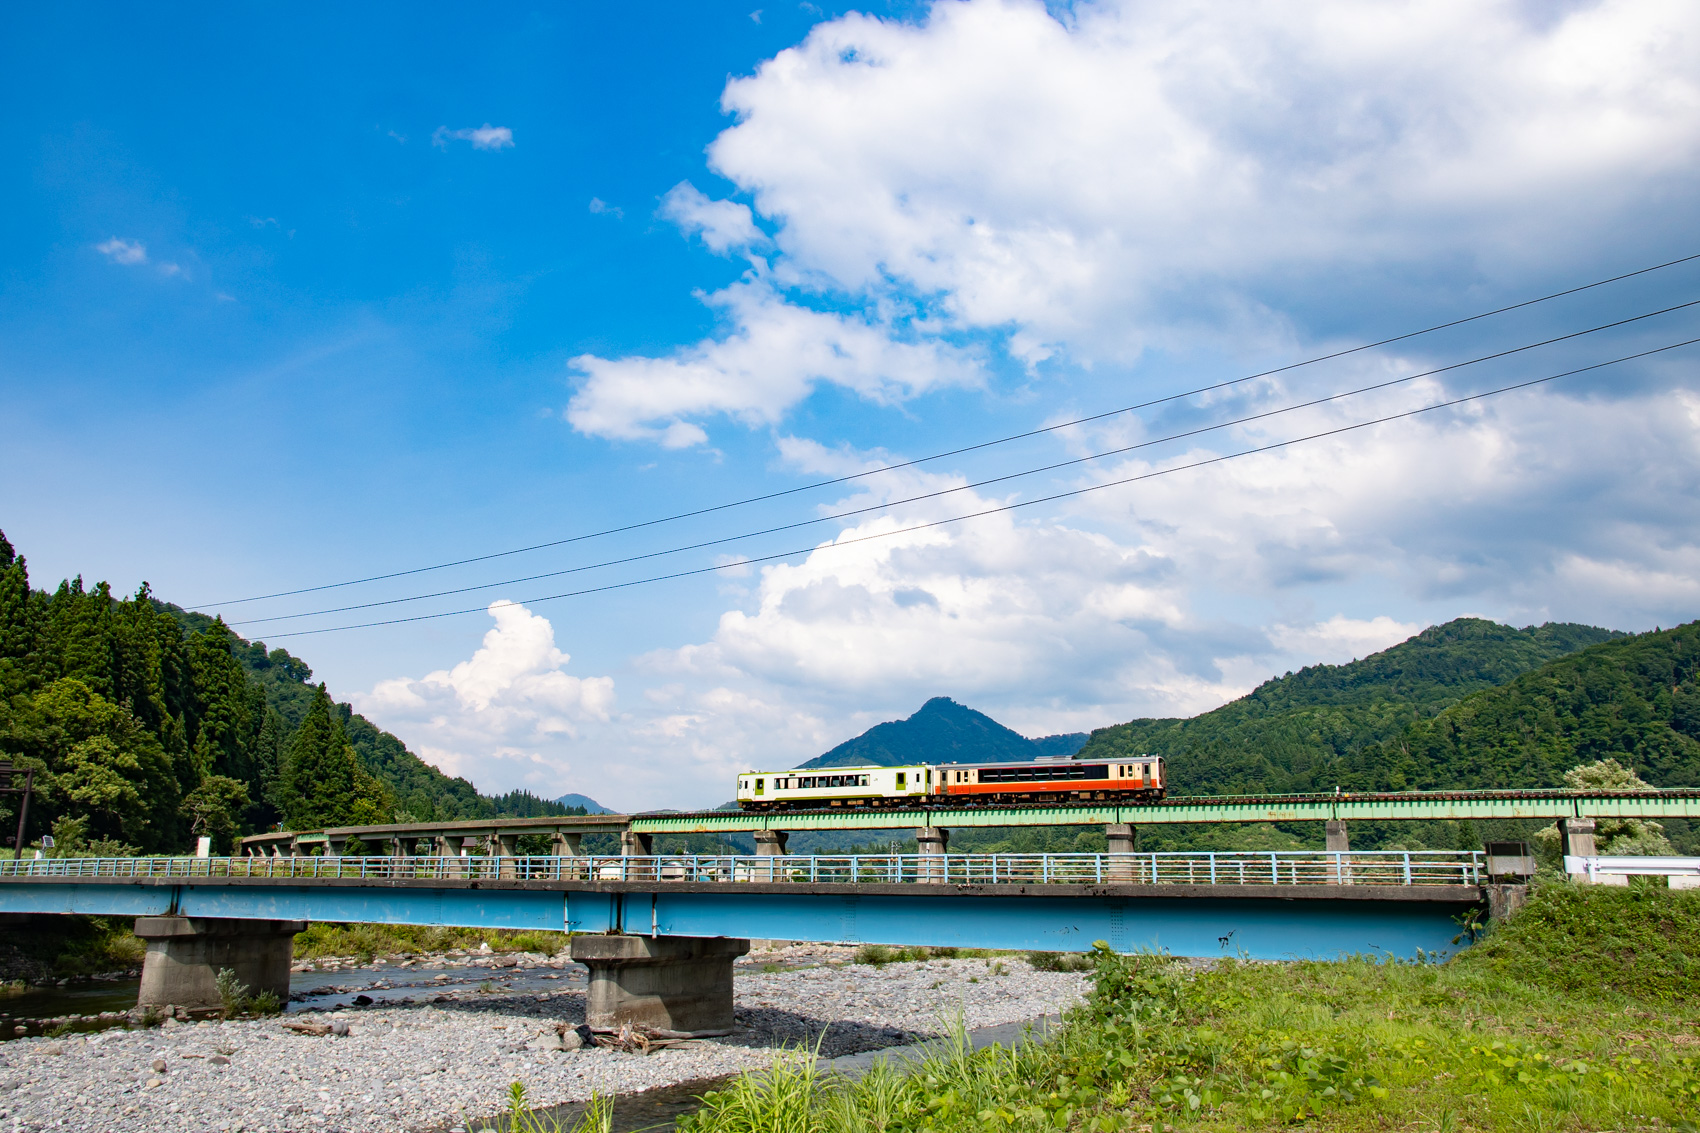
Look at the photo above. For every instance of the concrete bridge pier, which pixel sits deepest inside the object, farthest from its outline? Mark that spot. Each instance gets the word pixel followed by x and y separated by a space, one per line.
pixel 635 845
pixel 1121 838
pixel 185 954
pixel 671 983
pixel 933 842
pixel 771 843
pixel 1336 841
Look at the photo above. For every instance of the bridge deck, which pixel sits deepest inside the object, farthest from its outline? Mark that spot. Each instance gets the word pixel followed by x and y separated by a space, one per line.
pixel 1261 905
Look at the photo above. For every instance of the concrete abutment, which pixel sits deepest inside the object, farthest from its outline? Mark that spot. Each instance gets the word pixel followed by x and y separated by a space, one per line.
pixel 185 955
pixel 670 983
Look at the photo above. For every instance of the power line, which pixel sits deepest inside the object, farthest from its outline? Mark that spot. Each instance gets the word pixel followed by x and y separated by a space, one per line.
pixel 957 451
pixel 1015 506
pixel 970 486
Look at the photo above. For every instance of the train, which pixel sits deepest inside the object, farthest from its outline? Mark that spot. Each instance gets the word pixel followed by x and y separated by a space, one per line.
pixel 1051 782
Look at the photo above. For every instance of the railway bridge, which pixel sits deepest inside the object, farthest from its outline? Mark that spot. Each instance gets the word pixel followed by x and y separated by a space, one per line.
pixel 660 932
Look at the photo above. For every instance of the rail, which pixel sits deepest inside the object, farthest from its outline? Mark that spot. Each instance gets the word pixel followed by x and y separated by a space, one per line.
pixel 1288 867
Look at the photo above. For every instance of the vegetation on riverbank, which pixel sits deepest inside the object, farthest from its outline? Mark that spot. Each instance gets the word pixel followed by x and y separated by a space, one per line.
pixel 324 939
pixel 41 948
pixel 1562 1019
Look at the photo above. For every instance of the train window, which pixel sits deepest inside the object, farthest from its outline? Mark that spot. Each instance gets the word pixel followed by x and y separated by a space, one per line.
pixel 901 779
pixel 758 786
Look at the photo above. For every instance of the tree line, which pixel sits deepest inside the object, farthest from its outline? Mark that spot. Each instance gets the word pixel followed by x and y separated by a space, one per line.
pixel 149 726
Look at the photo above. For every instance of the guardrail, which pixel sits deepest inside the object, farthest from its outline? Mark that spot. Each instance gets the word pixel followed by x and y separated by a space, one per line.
pixel 1684 873
pixel 1289 867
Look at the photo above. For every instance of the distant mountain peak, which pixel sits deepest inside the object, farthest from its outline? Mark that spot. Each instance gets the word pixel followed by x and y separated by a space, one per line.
pixel 943 731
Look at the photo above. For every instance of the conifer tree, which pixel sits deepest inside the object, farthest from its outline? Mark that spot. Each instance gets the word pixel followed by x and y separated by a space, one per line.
pixel 322 783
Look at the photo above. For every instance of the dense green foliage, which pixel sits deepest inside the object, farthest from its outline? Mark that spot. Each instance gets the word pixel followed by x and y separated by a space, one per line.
pixel 1641 942
pixel 1490 1044
pixel 943 731
pixel 1635 699
pixel 148 726
pixel 1293 733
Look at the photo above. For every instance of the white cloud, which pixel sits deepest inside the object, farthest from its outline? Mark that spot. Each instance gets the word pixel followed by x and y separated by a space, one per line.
pixel 121 251
pixel 1100 180
pixel 776 353
pixel 482 137
pixel 723 225
pixel 510 712
pixel 1180 175
pixel 603 208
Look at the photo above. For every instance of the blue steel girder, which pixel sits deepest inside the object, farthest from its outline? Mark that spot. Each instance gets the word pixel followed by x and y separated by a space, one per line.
pixel 1406 805
pixel 1260 921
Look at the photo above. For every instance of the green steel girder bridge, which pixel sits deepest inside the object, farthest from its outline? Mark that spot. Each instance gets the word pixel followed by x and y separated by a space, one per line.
pixel 1539 804
pixel 500 834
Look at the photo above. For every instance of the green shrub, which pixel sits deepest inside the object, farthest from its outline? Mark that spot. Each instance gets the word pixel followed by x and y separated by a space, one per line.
pixel 1060 961
pixel 1641 942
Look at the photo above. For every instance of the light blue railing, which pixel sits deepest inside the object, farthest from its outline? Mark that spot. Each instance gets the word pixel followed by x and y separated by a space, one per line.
pixel 1284 867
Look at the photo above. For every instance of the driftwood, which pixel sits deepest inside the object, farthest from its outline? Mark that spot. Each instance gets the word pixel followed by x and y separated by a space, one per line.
pixel 315 1029
pixel 644 1040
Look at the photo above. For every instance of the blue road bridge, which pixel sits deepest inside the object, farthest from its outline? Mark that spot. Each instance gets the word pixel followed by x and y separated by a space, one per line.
pixel 1261 904
pixel 649 925
pixel 660 932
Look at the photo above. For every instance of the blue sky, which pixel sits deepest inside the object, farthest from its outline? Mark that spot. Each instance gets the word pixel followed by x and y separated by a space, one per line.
pixel 293 298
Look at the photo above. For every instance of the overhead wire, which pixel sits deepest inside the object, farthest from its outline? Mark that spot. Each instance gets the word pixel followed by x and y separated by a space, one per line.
pixel 883 505
pixel 1002 508
pixel 815 485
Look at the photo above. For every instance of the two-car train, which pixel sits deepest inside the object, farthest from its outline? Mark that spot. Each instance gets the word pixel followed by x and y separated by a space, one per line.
pixel 1047 781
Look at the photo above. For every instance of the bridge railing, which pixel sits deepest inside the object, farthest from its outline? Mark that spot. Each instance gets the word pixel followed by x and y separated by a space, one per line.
pixel 1279 867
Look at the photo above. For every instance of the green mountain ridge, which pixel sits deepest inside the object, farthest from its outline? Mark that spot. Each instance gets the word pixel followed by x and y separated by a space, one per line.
pixel 943 731
pixel 1292 733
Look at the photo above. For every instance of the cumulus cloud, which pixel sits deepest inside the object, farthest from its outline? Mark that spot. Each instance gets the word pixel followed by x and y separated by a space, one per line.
pixel 1088 179
pixel 121 251
pixel 775 354
pixel 509 712
pixel 723 225
pixel 1081 188
pixel 482 137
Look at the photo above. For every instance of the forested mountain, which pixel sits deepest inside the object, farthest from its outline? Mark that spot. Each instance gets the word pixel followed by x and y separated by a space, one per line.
pixel 148 726
pixel 1635 700
pixel 1299 732
pixel 942 731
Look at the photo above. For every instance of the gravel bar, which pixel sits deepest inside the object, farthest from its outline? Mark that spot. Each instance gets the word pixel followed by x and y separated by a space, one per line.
pixel 417 1065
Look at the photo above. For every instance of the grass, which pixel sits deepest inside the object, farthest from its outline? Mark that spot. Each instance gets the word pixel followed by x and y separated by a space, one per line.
pixel 1060 961
pixel 1558 1022
pixel 368 940
pixel 598 1117
pixel 879 955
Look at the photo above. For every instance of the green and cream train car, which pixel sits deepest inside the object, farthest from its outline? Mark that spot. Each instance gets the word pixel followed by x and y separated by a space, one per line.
pixel 834 787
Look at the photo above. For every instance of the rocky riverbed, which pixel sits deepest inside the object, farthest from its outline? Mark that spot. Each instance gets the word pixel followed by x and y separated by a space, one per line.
pixel 430 1053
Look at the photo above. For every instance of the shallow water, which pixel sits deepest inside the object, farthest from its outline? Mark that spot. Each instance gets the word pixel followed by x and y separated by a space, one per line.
pixel 321 991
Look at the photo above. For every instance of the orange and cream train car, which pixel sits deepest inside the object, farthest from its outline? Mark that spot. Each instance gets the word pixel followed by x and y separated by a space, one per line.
pixel 1129 779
